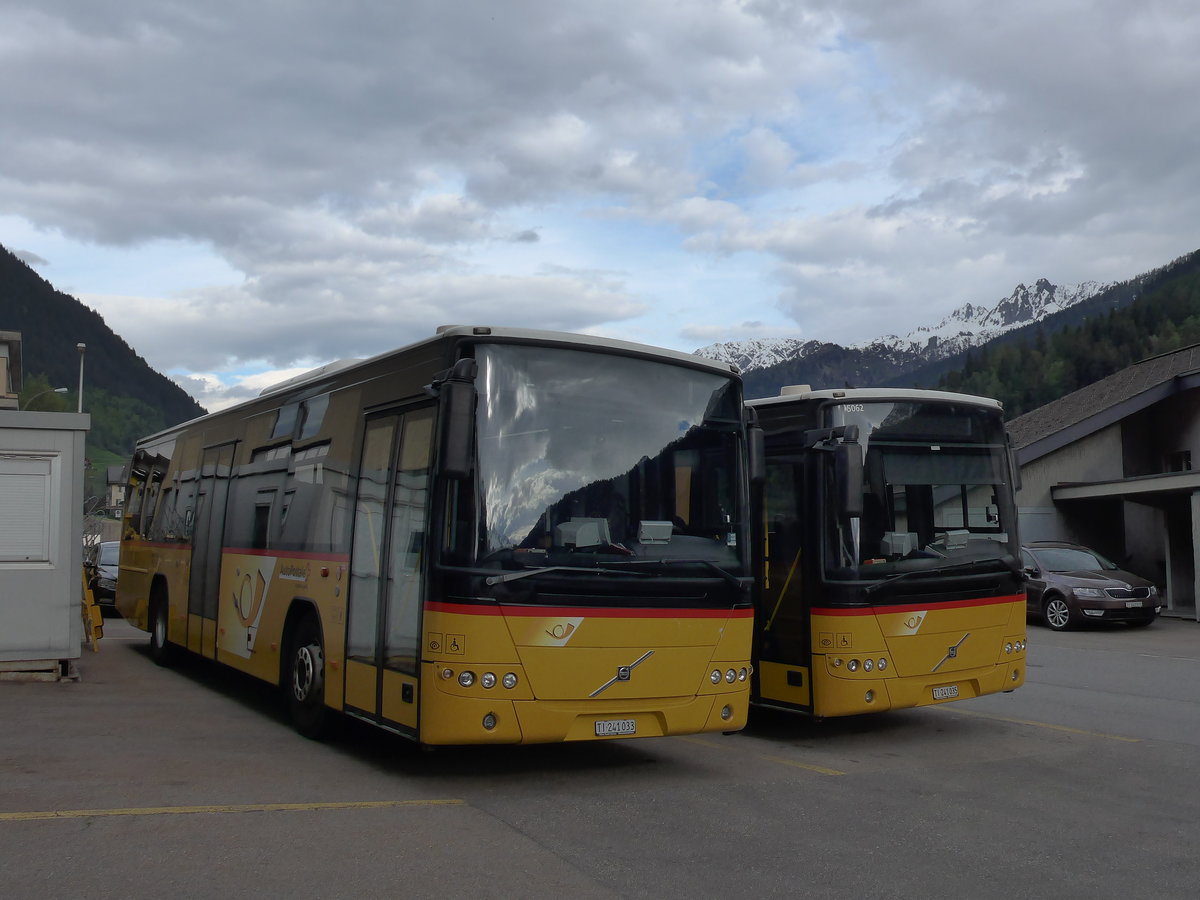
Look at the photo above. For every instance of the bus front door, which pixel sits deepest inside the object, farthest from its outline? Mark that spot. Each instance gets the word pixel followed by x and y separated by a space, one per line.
pixel 387 567
pixel 208 534
pixel 783 631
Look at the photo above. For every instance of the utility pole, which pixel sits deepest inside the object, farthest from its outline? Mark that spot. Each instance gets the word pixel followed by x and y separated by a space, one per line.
pixel 81 348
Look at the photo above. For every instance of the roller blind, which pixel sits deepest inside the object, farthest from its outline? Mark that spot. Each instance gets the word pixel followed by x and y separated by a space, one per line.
pixel 26 489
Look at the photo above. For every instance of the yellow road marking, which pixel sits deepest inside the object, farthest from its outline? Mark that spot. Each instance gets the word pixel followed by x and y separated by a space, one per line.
pixel 821 770
pixel 241 808
pixel 1063 728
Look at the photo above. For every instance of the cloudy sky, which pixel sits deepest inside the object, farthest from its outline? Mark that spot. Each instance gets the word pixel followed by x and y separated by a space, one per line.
pixel 246 190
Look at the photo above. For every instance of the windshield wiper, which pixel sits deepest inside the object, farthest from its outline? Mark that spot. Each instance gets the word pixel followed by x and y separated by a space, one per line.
pixel 937 570
pixel 525 573
pixel 735 580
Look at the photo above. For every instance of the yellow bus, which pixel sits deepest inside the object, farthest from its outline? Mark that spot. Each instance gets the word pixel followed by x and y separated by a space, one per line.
pixel 491 536
pixel 886 538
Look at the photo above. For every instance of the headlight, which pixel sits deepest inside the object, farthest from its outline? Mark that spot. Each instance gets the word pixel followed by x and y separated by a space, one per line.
pixel 466 679
pixel 1153 591
pixel 488 679
pixel 1089 592
pixel 715 677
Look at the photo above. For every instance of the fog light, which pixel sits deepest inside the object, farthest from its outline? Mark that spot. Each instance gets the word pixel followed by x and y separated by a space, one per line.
pixel 853 665
pixel 870 697
pixel 489 721
pixel 1016 673
pixel 726 713
pixel 488 679
pixel 715 677
pixel 1093 612
pixel 731 676
pixel 466 679
pixel 510 681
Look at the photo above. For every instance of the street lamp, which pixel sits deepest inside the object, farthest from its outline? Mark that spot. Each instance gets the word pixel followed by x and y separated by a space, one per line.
pixel 42 393
pixel 80 348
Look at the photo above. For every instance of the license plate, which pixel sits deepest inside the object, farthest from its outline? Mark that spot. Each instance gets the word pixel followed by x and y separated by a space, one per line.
pixel 945 693
pixel 1133 604
pixel 610 727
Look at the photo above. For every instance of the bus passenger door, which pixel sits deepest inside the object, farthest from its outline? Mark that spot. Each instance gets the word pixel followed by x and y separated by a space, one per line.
pixel 387 566
pixel 784 647
pixel 208 534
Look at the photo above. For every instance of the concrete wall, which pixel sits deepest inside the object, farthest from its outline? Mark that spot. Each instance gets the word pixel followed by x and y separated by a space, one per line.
pixel 1097 457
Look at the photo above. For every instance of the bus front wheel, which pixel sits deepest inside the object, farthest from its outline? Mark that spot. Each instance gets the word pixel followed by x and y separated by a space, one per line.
pixel 305 683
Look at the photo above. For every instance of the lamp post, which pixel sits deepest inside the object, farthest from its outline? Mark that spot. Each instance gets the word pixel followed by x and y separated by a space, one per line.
pixel 43 393
pixel 80 347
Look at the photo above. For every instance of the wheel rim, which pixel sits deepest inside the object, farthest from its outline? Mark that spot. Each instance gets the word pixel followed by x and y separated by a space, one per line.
pixel 1057 613
pixel 307 673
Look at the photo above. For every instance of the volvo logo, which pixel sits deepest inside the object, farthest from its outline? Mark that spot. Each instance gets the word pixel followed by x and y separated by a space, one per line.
pixel 624 673
pixel 951 652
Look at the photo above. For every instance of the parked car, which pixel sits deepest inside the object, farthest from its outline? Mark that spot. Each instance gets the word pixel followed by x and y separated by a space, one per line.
pixel 1068 584
pixel 102 572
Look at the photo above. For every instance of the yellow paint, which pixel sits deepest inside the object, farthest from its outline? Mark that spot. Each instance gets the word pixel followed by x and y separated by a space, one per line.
pixel 773 683
pixel 924 648
pixel 240 808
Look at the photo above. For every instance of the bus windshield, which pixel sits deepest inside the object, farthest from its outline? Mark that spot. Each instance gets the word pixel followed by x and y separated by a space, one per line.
pixel 936 495
pixel 590 459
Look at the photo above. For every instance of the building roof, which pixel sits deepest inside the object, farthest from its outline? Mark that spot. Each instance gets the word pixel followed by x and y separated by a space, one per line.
pixel 1109 400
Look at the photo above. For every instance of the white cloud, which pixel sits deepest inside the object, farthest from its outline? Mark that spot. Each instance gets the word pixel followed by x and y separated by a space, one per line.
pixel 342 179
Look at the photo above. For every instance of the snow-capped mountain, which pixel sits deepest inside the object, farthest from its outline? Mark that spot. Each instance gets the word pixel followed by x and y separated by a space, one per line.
pixel 968 326
pixel 972 325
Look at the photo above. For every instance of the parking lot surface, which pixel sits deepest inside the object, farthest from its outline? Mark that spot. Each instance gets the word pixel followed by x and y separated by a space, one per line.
pixel 137 781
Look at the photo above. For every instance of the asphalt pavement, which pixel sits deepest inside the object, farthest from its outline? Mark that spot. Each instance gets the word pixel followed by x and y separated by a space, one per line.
pixel 138 781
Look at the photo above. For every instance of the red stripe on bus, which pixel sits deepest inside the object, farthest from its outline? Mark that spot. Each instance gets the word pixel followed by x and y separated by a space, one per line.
pixel 911 607
pixel 612 612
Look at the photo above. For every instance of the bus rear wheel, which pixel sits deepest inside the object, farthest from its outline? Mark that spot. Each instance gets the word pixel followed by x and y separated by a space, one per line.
pixel 162 651
pixel 305 682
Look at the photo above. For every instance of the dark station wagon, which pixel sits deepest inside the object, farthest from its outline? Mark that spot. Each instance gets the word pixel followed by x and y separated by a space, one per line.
pixel 1069 584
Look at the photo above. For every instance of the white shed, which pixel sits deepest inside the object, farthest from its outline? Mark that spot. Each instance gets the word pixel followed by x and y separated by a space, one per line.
pixel 41 541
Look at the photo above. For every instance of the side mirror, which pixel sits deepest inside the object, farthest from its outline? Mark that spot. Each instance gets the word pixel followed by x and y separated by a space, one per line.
pixel 1014 466
pixel 756 442
pixel 848 470
pixel 458 410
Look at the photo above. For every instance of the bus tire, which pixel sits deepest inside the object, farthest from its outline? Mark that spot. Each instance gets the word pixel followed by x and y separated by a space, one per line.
pixel 162 651
pixel 305 682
